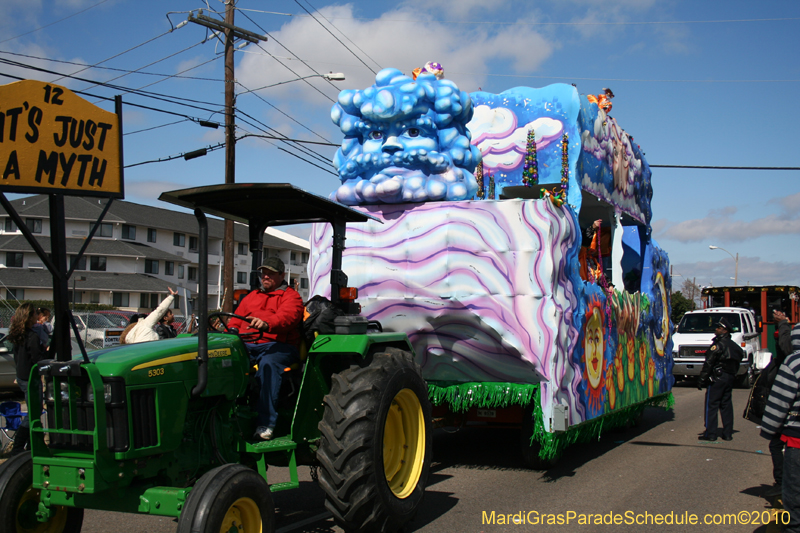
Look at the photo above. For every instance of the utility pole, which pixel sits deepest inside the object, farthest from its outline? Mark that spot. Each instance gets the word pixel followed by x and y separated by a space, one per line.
pixel 230 157
pixel 231 32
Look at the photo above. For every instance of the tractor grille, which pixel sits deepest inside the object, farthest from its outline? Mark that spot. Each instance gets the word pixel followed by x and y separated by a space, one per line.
pixel 693 351
pixel 143 416
pixel 69 404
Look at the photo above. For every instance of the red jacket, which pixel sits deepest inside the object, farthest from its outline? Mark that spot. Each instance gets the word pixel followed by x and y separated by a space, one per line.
pixel 282 309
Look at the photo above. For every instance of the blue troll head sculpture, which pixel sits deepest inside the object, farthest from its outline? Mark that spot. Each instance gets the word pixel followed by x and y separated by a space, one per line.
pixel 405 141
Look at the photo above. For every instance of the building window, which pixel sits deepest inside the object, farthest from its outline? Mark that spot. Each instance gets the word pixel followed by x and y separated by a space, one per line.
pixel 15 294
pixel 242 248
pixel 144 299
pixel 151 266
pixel 179 239
pixel 192 274
pixel 169 268
pixel 94 297
pixel 121 299
pixel 14 259
pixel 154 301
pixel 10 226
pixel 193 241
pixel 293 257
pixel 241 277
pixel 129 232
pixel 34 224
pixel 105 230
pixel 97 262
pixel 180 271
pixel 81 263
pixel 77 295
pixel 305 258
pixel 151 235
pixel 303 283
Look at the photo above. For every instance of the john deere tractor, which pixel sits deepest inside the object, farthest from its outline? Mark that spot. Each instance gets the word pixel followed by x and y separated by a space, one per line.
pixel 165 428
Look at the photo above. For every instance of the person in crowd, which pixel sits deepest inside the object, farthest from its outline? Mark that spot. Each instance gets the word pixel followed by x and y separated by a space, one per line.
pixel 28 350
pixel 164 327
pixel 782 418
pixel 275 311
pixel 763 386
pixel 142 330
pixel 718 374
pixel 43 327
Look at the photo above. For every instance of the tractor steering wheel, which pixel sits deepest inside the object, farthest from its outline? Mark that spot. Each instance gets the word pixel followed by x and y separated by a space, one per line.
pixel 246 337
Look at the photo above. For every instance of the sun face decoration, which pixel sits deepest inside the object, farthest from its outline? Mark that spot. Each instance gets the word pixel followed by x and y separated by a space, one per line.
pixel 651 372
pixel 594 345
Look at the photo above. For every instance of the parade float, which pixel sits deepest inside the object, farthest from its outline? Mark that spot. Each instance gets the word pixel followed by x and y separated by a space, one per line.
pixel 514 249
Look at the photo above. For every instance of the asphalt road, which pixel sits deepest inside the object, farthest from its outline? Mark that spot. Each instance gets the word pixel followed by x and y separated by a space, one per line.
pixel 658 467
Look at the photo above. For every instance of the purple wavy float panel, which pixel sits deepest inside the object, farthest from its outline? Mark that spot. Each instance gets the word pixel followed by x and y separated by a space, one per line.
pixel 479 287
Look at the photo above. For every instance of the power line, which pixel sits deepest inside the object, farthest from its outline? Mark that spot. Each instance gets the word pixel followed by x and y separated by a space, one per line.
pixel 286 66
pixel 343 34
pixel 708 167
pixel 111 68
pixel 56 22
pixel 335 37
pixel 115 55
pixel 155 127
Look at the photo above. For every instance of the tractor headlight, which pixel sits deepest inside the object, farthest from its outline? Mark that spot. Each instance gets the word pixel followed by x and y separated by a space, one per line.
pixel 64 391
pixel 106 392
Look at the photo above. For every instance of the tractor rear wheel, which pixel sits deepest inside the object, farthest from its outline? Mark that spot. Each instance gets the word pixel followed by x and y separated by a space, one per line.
pixel 19 501
pixel 229 497
pixel 375 449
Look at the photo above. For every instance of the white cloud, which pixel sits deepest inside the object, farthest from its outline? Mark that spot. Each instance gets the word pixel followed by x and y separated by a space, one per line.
pixel 466 49
pixel 752 270
pixel 722 225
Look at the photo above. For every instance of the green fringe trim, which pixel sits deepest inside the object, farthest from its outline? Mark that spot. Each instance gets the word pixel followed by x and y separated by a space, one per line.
pixel 461 397
pixel 553 444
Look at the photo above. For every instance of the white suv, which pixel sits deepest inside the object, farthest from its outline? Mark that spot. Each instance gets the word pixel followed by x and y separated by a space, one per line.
pixel 694 335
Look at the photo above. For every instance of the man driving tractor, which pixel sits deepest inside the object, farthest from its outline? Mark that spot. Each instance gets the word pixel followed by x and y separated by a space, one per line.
pixel 274 313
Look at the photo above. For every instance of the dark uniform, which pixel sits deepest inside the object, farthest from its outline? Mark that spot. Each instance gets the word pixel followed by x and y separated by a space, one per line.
pixel 719 374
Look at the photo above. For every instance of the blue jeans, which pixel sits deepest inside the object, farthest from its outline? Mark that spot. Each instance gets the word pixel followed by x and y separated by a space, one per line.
pixel 791 488
pixel 272 358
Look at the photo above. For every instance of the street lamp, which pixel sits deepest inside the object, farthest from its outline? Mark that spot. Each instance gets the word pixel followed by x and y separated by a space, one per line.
pixel 736 259
pixel 74 279
pixel 331 76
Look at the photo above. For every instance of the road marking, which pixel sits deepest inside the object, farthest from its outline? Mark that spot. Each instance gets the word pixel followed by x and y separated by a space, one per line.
pixel 301 523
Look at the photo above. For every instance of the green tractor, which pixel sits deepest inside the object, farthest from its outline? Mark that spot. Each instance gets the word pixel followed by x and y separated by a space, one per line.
pixel 165 427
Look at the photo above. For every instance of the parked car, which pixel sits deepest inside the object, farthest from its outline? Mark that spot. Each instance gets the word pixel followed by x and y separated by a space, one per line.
pixel 120 318
pixel 694 335
pixel 97 330
pixel 8 370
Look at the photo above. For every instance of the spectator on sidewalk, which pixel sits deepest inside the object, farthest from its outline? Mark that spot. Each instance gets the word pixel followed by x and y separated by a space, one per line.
pixel 142 330
pixel 782 418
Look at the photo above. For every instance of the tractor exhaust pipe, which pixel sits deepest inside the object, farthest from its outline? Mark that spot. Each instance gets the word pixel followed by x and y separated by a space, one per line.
pixel 202 305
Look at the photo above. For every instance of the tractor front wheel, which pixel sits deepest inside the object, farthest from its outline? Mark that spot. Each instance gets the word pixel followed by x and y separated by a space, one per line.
pixel 230 497
pixel 375 449
pixel 19 502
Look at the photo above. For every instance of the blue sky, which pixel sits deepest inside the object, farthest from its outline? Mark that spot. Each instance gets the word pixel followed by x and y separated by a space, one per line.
pixel 696 83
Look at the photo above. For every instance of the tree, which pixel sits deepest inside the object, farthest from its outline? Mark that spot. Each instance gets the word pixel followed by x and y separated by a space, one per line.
pixel 680 306
pixel 691 291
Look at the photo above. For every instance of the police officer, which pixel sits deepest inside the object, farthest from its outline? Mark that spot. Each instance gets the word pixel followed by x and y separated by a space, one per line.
pixel 718 374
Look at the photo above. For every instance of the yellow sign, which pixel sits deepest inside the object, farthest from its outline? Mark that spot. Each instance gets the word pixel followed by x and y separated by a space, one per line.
pixel 54 141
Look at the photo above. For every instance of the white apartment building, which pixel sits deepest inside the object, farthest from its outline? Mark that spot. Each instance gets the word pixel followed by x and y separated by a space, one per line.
pixel 137 253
